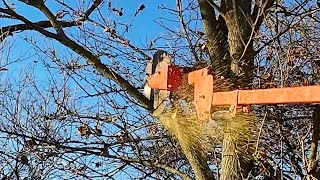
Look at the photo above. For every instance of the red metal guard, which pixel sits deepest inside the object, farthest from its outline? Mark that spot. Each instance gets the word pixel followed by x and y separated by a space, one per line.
pixel 168 78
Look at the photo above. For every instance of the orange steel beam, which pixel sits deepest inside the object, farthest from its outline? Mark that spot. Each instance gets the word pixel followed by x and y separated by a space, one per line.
pixel 289 95
pixel 204 98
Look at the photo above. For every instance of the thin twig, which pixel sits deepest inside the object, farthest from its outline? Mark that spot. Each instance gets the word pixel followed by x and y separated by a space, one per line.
pixel 259 134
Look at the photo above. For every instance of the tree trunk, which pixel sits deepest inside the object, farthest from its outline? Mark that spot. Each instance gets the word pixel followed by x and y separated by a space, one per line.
pixel 189 133
pixel 230 46
pixel 197 162
pixel 230 164
pixel 241 67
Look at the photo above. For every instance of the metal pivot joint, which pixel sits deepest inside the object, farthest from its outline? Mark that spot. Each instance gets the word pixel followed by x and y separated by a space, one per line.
pixel 203 91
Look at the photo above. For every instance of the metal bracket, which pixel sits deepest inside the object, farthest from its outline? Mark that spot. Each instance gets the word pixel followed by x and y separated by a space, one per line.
pixel 234 104
pixel 203 92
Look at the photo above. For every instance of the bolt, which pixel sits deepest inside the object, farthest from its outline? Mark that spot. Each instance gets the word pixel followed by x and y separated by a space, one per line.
pixel 202 96
pixel 205 112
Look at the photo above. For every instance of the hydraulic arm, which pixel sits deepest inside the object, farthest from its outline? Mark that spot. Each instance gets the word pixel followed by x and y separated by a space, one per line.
pixel 170 78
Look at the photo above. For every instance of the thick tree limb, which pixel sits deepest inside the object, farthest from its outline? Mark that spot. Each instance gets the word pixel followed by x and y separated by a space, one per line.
pixel 53 20
pixel 215 6
pixel 8 30
pixel 216 32
pixel 51 17
pixel 315 138
pixel 95 4
pixel 235 58
pixel 229 163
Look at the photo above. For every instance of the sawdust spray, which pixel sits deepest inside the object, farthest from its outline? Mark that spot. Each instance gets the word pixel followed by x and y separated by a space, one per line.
pixel 200 137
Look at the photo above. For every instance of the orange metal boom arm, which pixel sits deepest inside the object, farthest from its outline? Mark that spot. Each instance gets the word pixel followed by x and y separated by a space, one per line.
pixel 290 95
pixel 205 97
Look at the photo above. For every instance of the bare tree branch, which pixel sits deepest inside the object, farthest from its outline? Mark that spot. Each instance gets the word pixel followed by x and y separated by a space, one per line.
pixel 23 27
pixel 97 151
pixel 261 6
pixel 215 7
pixel 92 59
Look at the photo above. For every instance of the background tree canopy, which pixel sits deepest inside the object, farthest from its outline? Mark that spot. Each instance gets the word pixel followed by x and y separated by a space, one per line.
pixel 72 77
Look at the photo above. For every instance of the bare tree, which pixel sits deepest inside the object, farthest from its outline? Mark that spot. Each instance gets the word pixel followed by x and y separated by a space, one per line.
pixel 77 110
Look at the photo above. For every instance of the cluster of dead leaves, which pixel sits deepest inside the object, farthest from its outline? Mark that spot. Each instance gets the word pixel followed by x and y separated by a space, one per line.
pixel 86 131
